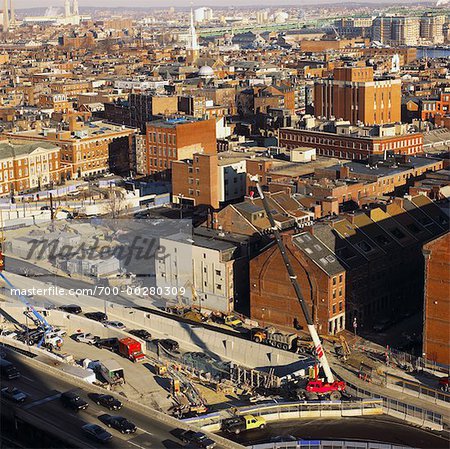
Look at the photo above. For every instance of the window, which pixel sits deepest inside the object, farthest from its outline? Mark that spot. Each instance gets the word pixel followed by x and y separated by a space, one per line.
pixel 219 286
pixel 340 278
pixel 340 306
pixel 334 309
pixel 334 281
pixel 218 273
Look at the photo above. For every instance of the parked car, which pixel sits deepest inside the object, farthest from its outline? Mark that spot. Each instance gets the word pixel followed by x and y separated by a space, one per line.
pixel 106 400
pixel 118 422
pixel 96 432
pixel 142 334
pixel 96 316
pixel 86 337
pixel 108 343
pixel 169 345
pixel 14 394
pixel 114 325
pixel 72 400
pixel 199 439
pixel 71 308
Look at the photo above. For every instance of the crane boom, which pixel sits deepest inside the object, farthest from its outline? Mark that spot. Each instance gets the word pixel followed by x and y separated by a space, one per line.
pixel 293 278
pixel 44 324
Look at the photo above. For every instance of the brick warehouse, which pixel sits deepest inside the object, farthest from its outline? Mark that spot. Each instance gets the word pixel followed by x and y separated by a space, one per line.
pixel 321 278
pixel 436 329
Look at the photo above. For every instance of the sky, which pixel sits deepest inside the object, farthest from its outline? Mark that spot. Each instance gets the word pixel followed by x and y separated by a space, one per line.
pixel 167 3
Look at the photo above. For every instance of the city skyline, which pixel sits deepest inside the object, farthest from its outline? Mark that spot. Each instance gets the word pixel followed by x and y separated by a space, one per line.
pixel 195 3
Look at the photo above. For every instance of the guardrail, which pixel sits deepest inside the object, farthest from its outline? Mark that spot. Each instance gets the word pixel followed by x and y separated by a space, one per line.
pixel 327 444
pixel 421 391
pixel 398 409
pixel 294 410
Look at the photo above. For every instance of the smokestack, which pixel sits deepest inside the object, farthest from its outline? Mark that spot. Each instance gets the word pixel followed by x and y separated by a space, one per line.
pixel 12 14
pixel 5 16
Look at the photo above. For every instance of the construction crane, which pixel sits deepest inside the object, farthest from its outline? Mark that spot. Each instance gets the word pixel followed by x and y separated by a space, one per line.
pixel 48 339
pixel 332 385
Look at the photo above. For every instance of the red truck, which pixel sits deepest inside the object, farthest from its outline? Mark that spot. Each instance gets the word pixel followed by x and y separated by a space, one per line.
pixel 131 349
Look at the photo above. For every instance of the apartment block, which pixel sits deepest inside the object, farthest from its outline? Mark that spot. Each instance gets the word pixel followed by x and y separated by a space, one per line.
pixel 354 94
pixel 175 140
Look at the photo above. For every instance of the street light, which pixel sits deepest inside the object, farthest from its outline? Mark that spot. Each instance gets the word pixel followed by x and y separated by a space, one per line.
pixel 180 198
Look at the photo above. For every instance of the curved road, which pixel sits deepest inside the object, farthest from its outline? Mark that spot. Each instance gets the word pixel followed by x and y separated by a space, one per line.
pixel 374 428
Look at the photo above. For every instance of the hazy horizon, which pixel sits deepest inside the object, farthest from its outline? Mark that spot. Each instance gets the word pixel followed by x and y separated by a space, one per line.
pixel 196 3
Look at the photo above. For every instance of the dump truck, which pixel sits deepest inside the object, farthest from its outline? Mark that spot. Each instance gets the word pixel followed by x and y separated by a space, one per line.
pixel 131 349
pixel 240 424
pixel 112 372
pixel 275 338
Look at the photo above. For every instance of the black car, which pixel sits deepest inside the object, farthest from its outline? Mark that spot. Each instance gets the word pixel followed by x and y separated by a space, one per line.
pixel 71 308
pixel 118 422
pixel 14 394
pixel 169 345
pixel 8 370
pixel 97 432
pixel 197 438
pixel 106 400
pixel 72 400
pixel 142 334
pixel 96 316
pixel 108 343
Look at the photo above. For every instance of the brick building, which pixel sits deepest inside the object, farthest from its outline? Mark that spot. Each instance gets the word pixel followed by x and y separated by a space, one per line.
pixel 26 166
pixel 347 144
pixel 176 140
pixel 321 278
pixel 436 331
pixel 88 148
pixel 371 246
pixel 354 94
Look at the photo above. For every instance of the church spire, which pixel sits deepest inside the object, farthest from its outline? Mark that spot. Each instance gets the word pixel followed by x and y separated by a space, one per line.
pixel 193 40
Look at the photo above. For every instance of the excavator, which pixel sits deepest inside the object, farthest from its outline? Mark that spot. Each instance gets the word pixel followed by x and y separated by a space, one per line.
pixel 329 387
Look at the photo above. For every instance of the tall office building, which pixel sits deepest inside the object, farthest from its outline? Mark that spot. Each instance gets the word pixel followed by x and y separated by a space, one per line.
pixel 354 94
pixel 409 31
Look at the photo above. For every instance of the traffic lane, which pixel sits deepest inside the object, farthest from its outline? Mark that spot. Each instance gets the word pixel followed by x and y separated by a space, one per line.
pixel 374 428
pixel 151 433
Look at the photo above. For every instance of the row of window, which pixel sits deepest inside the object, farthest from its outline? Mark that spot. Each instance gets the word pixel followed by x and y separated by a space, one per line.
pixel 157 137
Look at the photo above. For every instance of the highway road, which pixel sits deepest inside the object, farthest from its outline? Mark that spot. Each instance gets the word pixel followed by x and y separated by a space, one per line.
pixel 44 404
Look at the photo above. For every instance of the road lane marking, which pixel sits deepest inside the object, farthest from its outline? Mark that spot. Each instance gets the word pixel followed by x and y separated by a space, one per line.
pixel 27 378
pixel 137 445
pixel 145 431
pixel 42 401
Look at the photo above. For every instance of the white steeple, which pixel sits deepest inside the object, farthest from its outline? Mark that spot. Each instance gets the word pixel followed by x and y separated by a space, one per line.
pixel 75 11
pixel 67 8
pixel 193 40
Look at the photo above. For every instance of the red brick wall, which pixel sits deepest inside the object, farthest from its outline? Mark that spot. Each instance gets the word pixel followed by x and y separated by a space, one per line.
pixel 272 297
pixel 436 343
